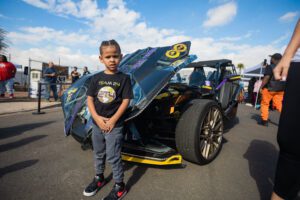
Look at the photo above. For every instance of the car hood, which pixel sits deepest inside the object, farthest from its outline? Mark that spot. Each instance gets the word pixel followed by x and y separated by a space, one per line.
pixel 150 70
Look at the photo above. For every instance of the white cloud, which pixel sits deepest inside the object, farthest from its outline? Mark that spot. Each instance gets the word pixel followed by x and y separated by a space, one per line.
pixel 39 3
pixel 281 38
pixel 41 35
pixel 87 9
pixel 221 15
pixel 237 38
pixel 127 27
pixel 3 16
pixel 288 17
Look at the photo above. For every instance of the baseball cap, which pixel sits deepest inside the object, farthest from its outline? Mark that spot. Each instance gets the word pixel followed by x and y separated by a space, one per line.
pixel 276 56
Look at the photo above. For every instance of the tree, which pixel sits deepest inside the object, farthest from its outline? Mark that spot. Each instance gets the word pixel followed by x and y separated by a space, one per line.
pixel 3 41
pixel 240 66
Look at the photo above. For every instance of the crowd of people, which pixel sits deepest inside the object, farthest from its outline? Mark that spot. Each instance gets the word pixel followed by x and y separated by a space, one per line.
pixel 50 78
pixel 8 72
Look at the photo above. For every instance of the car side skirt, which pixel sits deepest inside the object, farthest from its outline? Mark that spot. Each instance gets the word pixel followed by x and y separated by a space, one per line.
pixel 172 160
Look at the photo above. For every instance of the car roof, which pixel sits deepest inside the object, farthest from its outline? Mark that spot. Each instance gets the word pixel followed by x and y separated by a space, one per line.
pixel 210 63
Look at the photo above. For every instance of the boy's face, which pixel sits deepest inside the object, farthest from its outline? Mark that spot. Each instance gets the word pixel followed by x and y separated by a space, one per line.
pixel 111 58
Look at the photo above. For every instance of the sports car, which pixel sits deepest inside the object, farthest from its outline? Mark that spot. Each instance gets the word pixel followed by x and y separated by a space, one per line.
pixel 168 119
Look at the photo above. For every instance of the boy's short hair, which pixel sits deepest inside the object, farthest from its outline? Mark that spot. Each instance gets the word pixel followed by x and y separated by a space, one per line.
pixel 109 43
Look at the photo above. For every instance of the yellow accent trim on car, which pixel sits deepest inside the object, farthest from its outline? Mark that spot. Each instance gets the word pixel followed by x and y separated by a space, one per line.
pixel 235 78
pixel 180 47
pixel 162 95
pixel 172 53
pixel 175 52
pixel 172 109
pixel 207 87
pixel 173 160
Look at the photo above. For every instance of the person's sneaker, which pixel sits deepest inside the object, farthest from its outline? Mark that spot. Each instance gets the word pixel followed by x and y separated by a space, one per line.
pixel 117 193
pixel 263 122
pixel 11 96
pixel 94 186
pixel 2 95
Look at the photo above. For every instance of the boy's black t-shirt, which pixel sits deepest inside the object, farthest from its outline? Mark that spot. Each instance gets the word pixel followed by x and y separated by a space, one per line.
pixel 108 91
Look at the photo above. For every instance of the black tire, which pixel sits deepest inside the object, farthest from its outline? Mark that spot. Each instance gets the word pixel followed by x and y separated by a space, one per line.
pixel 191 134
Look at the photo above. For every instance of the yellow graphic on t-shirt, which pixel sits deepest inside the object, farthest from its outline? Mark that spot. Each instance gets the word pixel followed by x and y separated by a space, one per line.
pixel 106 94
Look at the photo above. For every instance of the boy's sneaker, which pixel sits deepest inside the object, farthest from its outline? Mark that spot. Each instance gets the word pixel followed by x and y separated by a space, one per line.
pixel 117 193
pixel 94 186
pixel 2 95
pixel 11 96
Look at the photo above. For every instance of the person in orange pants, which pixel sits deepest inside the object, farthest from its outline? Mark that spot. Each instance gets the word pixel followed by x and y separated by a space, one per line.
pixel 267 96
pixel 271 90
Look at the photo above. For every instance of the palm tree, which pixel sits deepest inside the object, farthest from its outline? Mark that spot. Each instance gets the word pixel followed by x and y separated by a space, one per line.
pixel 240 66
pixel 3 41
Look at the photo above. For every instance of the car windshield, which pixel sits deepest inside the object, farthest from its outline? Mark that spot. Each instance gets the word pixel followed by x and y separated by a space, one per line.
pixel 195 76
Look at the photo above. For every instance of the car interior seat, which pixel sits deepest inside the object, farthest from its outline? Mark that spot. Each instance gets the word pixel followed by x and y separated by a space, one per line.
pixel 197 77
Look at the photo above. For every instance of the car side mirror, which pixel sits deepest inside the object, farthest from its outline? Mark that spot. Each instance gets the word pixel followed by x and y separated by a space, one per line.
pixel 233 77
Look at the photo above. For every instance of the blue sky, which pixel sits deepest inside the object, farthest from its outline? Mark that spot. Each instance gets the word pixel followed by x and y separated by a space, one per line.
pixel 245 31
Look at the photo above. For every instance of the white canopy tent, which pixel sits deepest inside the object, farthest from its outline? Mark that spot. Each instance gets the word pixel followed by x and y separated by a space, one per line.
pixel 255 71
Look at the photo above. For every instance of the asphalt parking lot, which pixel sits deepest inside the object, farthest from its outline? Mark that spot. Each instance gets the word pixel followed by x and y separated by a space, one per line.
pixel 38 162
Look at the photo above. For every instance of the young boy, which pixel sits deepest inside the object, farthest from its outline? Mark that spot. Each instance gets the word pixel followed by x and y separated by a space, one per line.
pixel 109 94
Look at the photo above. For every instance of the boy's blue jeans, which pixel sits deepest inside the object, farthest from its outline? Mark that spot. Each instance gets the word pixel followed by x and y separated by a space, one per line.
pixel 107 146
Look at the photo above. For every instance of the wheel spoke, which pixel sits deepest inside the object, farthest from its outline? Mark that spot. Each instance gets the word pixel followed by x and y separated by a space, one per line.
pixel 217 134
pixel 217 125
pixel 205 127
pixel 213 120
pixel 209 117
pixel 204 137
pixel 216 145
pixel 203 147
pixel 207 150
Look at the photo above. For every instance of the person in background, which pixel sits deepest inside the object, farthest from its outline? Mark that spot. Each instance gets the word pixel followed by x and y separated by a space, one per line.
pixel 7 75
pixel 271 90
pixel 256 94
pixel 287 176
pixel 250 91
pixel 50 76
pixel 85 71
pixel 75 75
pixel 197 77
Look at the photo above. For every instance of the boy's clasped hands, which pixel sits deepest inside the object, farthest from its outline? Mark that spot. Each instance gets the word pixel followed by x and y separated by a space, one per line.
pixel 105 124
